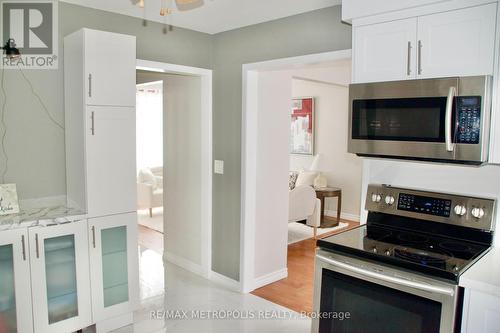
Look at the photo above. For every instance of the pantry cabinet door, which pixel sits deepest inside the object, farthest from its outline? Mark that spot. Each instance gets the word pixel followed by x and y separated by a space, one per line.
pixel 111 160
pixel 114 265
pixel 110 61
pixel 457 43
pixel 15 289
pixel 385 51
pixel 61 285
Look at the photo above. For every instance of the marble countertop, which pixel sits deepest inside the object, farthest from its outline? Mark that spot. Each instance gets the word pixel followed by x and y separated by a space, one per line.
pixel 41 217
pixel 484 275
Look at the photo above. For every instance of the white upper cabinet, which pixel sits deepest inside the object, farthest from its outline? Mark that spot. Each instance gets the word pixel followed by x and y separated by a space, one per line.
pixel 458 43
pixel 385 51
pixel 110 61
pixel 453 43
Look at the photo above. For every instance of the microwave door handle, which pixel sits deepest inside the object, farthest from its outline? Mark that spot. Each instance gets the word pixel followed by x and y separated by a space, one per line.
pixel 387 278
pixel 448 119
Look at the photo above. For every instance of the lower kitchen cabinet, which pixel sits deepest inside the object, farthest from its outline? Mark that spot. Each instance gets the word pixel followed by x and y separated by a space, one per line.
pixel 60 277
pixel 15 290
pixel 481 312
pixel 114 266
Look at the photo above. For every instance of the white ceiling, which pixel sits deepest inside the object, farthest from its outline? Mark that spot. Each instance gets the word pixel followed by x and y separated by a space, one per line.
pixel 215 15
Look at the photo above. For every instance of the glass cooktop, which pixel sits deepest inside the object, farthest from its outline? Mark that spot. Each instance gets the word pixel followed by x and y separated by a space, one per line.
pixel 434 255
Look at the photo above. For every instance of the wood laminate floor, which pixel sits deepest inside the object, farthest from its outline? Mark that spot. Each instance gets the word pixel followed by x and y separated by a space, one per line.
pixel 296 291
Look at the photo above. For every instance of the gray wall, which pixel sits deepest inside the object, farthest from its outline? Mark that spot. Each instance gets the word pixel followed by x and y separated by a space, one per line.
pixel 35 146
pixel 314 32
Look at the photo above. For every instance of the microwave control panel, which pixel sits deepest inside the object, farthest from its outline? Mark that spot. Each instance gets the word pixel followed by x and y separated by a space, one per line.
pixel 468 119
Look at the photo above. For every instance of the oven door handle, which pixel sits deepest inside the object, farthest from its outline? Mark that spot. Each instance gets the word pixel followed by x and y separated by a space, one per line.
pixel 448 121
pixel 386 278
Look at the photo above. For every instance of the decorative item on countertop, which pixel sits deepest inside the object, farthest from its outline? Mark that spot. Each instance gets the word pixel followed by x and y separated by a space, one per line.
pixel 319 165
pixel 8 199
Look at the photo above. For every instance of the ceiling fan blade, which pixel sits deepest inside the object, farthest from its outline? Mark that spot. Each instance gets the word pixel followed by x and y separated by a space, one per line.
pixel 185 2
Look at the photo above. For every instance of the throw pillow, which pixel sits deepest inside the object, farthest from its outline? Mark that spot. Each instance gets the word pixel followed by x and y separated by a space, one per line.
pixel 147 177
pixel 306 178
pixel 292 180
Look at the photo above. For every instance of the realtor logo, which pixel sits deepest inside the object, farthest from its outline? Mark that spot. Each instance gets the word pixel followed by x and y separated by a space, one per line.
pixel 33 27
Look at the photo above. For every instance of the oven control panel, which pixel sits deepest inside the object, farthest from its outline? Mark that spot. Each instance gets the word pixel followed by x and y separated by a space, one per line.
pixel 447 208
pixel 424 205
pixel 468 119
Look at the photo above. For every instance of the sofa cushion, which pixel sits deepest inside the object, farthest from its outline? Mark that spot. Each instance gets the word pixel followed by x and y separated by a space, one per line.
pixel 306 178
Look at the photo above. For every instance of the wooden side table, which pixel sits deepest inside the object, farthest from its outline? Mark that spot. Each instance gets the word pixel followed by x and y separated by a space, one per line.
pixel 329 192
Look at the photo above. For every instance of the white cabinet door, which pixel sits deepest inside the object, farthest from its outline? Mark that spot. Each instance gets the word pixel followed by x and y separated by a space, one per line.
pixel 15 289
pixel 457 43
pixel 385 51
pixel 111 160
pixel 110 61
pixel 481 313
pixel 61 280
pixel 114 265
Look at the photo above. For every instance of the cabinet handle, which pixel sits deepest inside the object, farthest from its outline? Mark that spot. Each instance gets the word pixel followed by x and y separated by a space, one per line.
pixel 93 236
pixel 419 57
pixel 36 247
pixel 408 64
pixel 92 119
pixel 90 85
pixel 23 244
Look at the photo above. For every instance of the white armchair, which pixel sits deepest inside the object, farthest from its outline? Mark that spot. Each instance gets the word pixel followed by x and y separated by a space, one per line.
pixel 305 206
pixel 150 189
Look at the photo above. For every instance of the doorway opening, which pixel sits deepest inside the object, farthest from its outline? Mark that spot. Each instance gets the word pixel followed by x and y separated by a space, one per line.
pixel 295 120
pixel 174 169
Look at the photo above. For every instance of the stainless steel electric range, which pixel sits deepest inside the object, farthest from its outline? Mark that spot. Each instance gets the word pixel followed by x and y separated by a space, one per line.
pixel 400 271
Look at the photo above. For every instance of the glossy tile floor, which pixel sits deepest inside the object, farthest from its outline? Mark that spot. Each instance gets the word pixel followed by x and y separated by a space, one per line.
pixel 188 292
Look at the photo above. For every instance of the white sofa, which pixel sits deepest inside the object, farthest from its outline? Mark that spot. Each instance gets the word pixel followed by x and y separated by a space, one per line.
pixel 150 189
pixel 304 205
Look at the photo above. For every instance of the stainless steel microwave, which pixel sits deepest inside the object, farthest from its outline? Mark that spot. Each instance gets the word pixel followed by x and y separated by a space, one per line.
pixel 445 119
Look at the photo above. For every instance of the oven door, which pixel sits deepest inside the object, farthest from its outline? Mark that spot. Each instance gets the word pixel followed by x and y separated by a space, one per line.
pixel 353 296
pixel 417 119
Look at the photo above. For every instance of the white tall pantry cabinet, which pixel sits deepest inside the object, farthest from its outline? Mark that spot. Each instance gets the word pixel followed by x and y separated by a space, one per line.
pixel 99 81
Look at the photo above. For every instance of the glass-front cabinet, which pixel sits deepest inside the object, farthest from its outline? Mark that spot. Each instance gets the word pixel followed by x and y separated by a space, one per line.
pixel 15 291
pixel 114 265
pixel 61 289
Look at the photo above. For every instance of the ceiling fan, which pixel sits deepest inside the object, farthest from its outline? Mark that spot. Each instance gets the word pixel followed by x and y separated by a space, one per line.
pixel 181 4
pixel 166 9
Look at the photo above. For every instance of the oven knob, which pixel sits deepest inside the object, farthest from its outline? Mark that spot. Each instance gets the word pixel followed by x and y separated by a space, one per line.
pixel 374 250
pixel 387 252
pixel 477 212
pixel 460 210
pixel 389 199
pixel 376 197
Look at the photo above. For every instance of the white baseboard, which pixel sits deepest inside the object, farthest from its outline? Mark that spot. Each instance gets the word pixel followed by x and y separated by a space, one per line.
pixel 184 263
pixel 224 281
pixel 344 216
pixel 270 278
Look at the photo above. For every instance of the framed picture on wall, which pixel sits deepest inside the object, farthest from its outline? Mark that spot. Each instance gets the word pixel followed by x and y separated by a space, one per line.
pixel 302 126
pixel 8 199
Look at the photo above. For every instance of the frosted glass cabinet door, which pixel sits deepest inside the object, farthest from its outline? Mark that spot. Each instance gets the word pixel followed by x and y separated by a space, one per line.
pixel 15 291
pixel 114 267
pixel 61 289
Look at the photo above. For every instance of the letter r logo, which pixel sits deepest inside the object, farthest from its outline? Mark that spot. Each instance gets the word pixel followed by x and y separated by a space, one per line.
pixel 30 24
